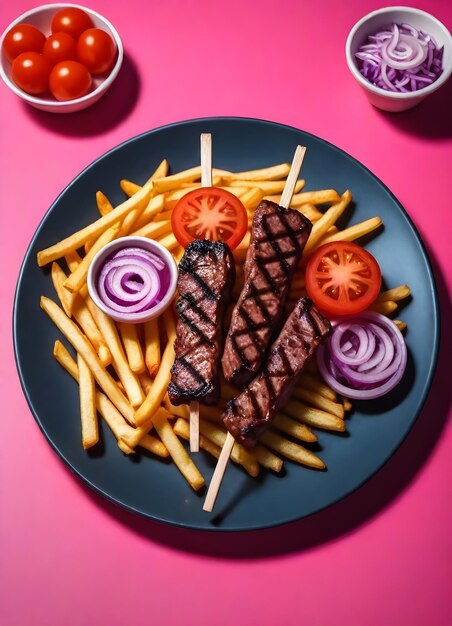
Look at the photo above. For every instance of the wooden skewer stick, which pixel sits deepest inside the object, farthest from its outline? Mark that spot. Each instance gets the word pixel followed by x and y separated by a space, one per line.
pixel 206 181
pixel 222 462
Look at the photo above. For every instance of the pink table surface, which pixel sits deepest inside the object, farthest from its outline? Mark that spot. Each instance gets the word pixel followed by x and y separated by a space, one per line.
pixel 383 555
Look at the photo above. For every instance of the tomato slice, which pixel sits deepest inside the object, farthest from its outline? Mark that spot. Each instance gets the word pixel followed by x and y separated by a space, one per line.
pixel 209 213
pixel 342 278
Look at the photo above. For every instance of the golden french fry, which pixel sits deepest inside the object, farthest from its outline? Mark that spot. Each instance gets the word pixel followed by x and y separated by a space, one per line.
pixel 242 249
pixel 160 172
pixel 73 260
pixel 168 241
pixel 178 253
pixel 315 197
pixel 95 229
pixel 171 199
pixel 78 278
pixel 274 172
pixel 128 378
pixel 311 382
pixel 400 325
pixel 293 428
pixel 153 230
pixel 103 203
pixel 310 211
pixel 168 183
pixel 347 404
pixel 152 346
pixel 385 308
pixel 154 398
pixel 314 417
pixel 154 445
pixel 322 225
pixel 75 337
pixel 128 187
pixel 182 410
pixel 164 216
pixel 395 294
pixel 88 415
pixel 85 320
pixel 291 450
pixel 132 346
pixel 353 232
pixel 239 454
pixel 216 182
pixel 177 451
pixel 145 381
pixel 108 411
pixel 268 187
pixel 150 213
pixel 267 458
pixel 318 401
pixel 66 297
pixel 182 429
pixel 251 199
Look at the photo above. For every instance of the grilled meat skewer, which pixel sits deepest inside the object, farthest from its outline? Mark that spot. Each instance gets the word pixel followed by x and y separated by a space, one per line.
pixel 206 276
pixel 278 237
pixel 248 415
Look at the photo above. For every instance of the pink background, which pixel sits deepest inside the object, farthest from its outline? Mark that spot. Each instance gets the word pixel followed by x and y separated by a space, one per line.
pixel 382 556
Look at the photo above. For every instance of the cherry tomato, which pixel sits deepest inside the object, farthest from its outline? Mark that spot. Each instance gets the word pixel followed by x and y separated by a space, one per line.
pixel 22 38
pixel 30 71
pixel 96 50
pixel 209 213
pixel 69 80
pixel 60 47
pixel 342 278
pixel 72 21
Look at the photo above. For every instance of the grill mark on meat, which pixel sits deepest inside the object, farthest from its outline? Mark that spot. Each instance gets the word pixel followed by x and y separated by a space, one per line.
pixel 191 303
pixel 207 291
pixel 251 412
pixel 274 242
pixel 206 275
pixel 278 238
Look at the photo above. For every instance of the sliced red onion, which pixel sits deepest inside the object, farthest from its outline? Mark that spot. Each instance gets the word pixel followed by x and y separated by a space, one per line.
pixel 132 280
pixel 400 58
pixel 349 374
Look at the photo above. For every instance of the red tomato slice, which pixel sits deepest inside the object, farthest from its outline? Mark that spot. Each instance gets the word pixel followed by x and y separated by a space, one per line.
pixel 209 213
pixel 342 278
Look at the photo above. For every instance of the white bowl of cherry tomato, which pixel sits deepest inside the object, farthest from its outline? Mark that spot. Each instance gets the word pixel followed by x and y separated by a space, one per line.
pixel 60 58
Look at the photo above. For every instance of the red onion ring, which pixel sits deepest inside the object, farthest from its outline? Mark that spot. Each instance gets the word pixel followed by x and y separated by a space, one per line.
pixel 130 280
pixel 354 378
pixel 400 58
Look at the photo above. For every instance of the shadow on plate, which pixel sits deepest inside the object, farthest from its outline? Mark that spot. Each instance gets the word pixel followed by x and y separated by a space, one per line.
pixel 431 118
pixel 354 511
pixel 108 112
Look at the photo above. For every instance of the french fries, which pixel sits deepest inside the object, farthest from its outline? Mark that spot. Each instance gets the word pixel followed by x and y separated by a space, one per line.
pixel 82 345
pixel 95 229
pixel 133 398
pixel 88 415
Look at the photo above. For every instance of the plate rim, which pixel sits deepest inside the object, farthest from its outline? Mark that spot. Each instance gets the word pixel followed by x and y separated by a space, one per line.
pixel 274 524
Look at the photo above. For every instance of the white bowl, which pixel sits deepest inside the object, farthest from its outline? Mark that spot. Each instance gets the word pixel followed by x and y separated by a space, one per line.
pixel 372 23
pixel 132 242
pixel 41 17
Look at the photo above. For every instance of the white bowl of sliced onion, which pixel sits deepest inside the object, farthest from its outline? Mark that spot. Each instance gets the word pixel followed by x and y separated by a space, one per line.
pixel 399 55
pixel 132 279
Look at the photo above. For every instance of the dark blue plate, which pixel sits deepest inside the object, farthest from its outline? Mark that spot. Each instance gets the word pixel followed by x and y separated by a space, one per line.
pixel 154 488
